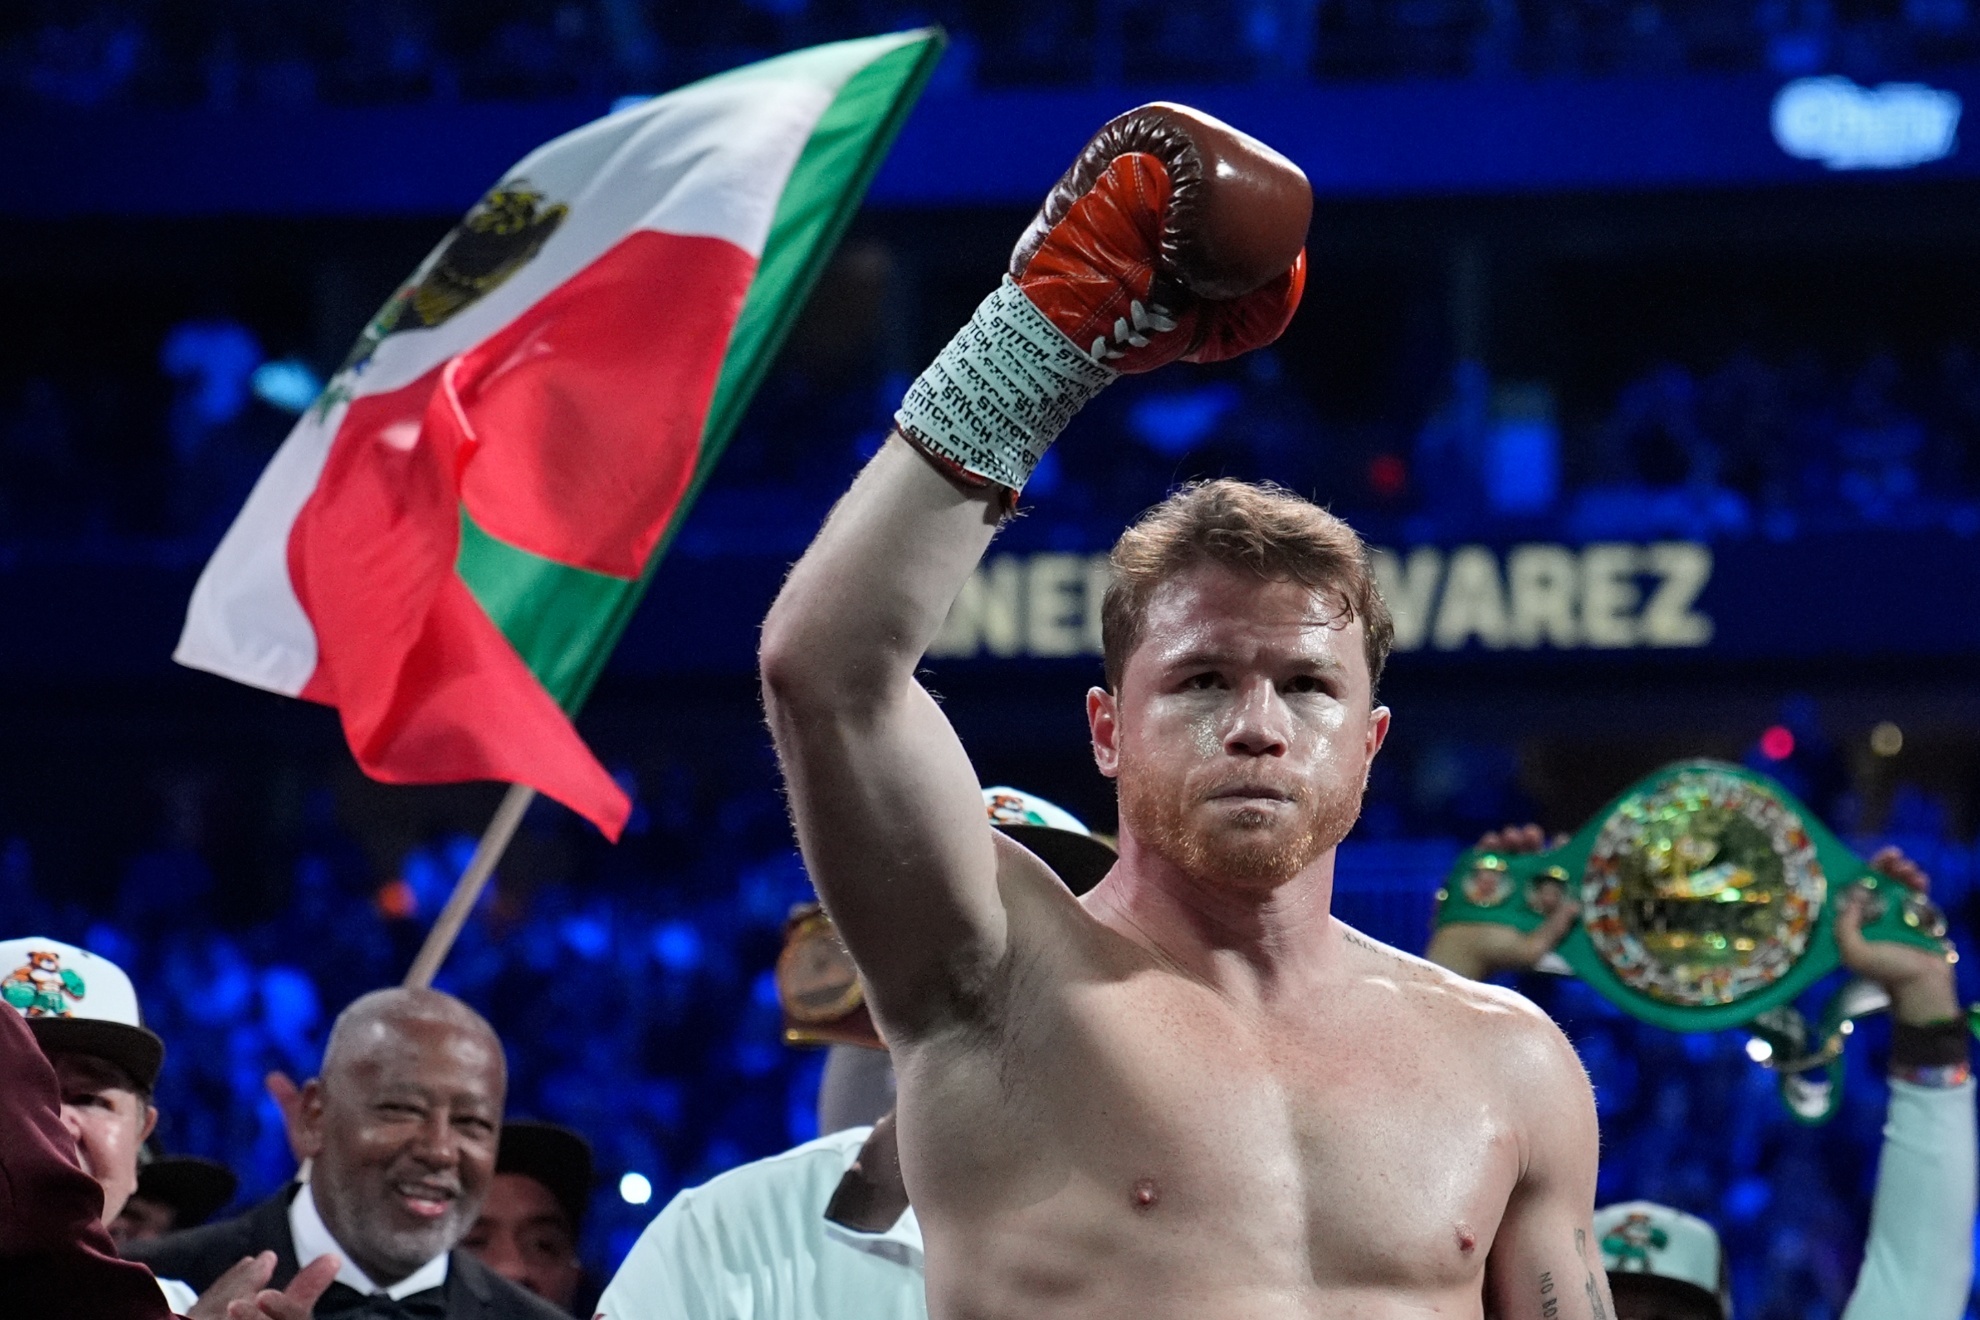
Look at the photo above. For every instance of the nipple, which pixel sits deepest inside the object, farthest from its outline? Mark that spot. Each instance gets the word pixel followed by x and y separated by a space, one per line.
pixel 1146 1193
pixel 1466 1239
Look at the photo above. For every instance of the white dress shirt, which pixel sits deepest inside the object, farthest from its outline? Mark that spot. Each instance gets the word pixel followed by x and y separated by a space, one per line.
pixel 312 1238
pixel 178 1295
pixel 754 1244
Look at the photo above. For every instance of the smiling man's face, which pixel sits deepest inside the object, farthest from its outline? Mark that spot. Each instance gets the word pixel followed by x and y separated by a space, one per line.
pixel 403 1128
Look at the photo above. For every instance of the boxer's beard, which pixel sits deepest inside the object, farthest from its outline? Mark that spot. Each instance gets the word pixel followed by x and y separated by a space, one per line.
pixel 1254 848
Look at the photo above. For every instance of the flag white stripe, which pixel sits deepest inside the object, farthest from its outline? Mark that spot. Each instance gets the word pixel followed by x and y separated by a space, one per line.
pixel 711 159
pixel 244 620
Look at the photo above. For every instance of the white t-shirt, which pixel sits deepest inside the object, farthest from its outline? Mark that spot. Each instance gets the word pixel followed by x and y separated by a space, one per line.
pixel 754 1244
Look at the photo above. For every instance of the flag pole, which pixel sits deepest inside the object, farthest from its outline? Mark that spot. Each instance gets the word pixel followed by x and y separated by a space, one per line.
pixel 467 890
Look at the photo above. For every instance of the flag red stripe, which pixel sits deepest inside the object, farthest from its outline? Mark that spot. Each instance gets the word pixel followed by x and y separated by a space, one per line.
pixel 591 405
pixel 428 688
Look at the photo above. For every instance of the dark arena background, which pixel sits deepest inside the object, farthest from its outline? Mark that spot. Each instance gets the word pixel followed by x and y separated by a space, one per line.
pixel 1593 287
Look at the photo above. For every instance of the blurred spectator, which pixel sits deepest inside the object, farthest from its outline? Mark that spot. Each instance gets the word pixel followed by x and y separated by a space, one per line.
pixel 84 1014
pixel 1879 446
pixel 1657 471
pixel 173 1192
pixel 817 1233
pixel 55 1255
pixel 217 449
pixel 529 1226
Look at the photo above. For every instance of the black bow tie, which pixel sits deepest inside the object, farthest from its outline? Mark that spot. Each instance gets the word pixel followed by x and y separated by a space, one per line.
pixel 343 1302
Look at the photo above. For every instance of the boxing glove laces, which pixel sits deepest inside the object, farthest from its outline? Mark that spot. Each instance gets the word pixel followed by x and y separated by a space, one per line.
pixel 1172 236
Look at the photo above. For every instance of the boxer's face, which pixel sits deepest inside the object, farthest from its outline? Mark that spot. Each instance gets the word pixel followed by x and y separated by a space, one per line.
pixel 524 1235
pixel 1243 730
pixel 403 1135
pixel 109 1119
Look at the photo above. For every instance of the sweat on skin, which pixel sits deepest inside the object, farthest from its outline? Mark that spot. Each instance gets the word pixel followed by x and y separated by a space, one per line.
pixel 1193 1092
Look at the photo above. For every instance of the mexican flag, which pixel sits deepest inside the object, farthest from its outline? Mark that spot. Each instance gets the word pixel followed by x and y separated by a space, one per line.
pixel 453 537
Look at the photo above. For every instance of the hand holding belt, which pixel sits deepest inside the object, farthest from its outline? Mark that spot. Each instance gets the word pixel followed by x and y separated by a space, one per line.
pixel 1708 900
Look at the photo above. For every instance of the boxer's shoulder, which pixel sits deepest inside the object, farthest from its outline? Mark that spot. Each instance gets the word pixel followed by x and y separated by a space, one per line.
pixel 1443 1001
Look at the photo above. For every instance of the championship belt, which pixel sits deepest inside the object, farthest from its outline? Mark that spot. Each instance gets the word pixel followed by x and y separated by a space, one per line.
pixel 1708 898
pixel 818 986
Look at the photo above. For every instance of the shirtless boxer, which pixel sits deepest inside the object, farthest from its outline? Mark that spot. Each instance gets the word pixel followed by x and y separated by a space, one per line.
pixel 1193 1092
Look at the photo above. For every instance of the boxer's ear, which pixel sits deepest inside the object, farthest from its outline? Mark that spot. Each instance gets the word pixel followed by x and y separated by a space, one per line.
pixel 1102 708
pixel 1378 733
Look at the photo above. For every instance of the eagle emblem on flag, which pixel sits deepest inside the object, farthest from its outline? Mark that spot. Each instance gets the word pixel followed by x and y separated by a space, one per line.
pixel 497 238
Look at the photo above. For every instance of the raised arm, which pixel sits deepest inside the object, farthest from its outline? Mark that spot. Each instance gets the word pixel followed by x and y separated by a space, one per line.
pixel 886 804
pixel 1918 1262
pixel 1545 1263
pixel 1171 236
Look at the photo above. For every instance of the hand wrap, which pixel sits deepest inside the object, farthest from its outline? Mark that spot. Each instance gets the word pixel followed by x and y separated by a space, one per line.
pixel 997 396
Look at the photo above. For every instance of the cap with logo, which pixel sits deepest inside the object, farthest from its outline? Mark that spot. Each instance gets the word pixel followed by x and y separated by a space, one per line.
pixel 78 1003
pixel 1666 1249
pixel 1059 838
pixel 817 984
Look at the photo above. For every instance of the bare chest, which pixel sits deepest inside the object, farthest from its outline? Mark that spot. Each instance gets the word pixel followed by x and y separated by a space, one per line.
pixel 1345 1144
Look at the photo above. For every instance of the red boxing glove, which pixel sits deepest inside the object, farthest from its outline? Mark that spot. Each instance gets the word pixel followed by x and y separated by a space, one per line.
pixel 1226 329
pixel 1171 236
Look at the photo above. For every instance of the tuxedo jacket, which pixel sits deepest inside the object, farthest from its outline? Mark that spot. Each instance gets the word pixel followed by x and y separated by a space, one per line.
pixel 201 1255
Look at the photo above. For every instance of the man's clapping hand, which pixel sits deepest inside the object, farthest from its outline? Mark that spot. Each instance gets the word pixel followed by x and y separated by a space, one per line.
pixel 242 1292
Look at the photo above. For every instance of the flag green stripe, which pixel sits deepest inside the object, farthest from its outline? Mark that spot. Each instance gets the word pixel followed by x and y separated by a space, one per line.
pixel 553 614
pixel 564 621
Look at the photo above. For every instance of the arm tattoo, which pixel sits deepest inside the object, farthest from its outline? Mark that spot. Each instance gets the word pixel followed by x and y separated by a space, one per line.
pixel 1550 1305
pixel 1353 936
pixel 1595 1307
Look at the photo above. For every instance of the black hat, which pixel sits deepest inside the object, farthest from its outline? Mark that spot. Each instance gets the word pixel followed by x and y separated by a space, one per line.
pixel 555 1156
pixel 193 1187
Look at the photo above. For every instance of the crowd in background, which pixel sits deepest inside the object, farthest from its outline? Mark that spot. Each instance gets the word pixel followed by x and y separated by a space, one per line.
pixel 225 54
pixel 633 987
pixel 634 996
pixel 155 461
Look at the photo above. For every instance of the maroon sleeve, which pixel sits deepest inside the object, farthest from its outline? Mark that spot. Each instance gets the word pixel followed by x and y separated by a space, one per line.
pixel 56 1258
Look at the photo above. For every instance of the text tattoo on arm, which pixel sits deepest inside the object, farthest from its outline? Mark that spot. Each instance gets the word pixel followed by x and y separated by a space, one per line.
pixel 1354 936
pixel 1550 1305
pixel 1595 1307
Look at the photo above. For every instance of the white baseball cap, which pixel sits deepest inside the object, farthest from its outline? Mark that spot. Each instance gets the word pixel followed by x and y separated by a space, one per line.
pixel 78 1003
pixel 1059 838
pixel 1651 1241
